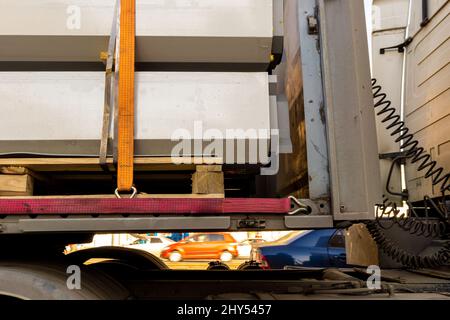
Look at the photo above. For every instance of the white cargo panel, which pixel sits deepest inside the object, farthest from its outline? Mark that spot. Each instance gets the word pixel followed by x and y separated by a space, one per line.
pixel 206 31
pixel 427 98
pixel 61 113
pixel 389 25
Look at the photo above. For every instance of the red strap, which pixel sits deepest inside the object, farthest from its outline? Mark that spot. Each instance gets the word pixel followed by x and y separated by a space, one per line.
pixel 142 206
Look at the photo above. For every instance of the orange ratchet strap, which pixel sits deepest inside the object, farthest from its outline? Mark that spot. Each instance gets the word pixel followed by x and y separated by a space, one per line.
pixel 126 96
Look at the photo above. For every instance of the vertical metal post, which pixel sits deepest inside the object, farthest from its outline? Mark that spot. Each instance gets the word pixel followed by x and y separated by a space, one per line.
pixel 315 122
pixel 352 140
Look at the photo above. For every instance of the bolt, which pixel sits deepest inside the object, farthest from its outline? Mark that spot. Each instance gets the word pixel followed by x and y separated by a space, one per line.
pixel 313 25
pixel 342 208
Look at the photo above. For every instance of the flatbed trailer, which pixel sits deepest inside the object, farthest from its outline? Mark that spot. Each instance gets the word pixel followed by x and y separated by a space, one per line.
pixel 305 67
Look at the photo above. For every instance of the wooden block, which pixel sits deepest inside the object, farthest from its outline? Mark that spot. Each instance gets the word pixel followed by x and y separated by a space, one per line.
pixel 16 185
pixel 208 180
pixel 14 170
pixel 360 247
pixel 23 171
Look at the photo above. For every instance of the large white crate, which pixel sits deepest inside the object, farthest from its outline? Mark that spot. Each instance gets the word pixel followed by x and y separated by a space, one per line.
pixel 181 31
pixel 61 113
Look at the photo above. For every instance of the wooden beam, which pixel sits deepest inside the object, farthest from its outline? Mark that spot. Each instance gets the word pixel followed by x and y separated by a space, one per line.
pixel 16 185
pixel 14 170
pixel 209 168
pixel 92 164
pixel 22 171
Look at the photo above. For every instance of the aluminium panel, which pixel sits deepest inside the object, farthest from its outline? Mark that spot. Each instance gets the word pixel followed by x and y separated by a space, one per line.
pixel 351 129
pixel 427 99
pixel 188 31
pixel 315 121
pixel 117 224
pixel 387 69
pixel 390 20
pixel 60 113
pixel 40 224
pixel 434 6
pixel 390 14
pixel 303 173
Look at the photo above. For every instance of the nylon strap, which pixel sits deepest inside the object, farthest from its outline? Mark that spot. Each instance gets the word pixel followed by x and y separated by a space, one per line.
pixel 126 96
pixel 145 206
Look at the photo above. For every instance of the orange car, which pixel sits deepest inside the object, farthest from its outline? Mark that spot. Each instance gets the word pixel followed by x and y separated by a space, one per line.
pixel 202 246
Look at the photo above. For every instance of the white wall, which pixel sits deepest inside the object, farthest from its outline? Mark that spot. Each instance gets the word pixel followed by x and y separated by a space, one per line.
pixel 368 4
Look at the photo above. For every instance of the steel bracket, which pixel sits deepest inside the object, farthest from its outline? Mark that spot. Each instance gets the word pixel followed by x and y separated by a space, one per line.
pixel 400 47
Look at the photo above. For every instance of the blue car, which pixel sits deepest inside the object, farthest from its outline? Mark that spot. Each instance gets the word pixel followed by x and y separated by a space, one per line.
pixel 316 248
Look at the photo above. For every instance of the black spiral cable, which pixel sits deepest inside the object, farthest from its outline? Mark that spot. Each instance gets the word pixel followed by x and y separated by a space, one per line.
pixel 412 150
pixel 440 258
pixel 416 154
pixel 388 210
pixel 428 228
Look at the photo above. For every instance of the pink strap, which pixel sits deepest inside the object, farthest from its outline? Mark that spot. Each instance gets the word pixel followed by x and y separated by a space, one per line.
pixel 142 206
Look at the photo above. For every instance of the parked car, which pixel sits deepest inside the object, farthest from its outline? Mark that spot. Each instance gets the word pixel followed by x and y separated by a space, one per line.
pixel 317 248
pixel 203 246
pixel 152 244
pixel 245 247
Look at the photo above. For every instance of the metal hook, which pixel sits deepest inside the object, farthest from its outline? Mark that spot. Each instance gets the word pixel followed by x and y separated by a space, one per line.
pixel 300 206
pixel 132 195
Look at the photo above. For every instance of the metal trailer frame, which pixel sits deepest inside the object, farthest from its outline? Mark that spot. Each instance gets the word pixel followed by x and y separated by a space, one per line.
pixel 351 130
pixel 341 138
pixel 342 156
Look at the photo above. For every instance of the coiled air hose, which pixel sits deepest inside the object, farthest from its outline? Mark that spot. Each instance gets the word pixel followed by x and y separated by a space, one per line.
pixel 413 152
pixel 440 258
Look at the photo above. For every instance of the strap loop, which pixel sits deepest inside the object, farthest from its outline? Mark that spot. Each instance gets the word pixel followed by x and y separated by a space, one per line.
pixel 133 194
pixel 299 207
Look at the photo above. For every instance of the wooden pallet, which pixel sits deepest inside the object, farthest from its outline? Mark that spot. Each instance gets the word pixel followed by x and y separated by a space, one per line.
pixel 17 175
